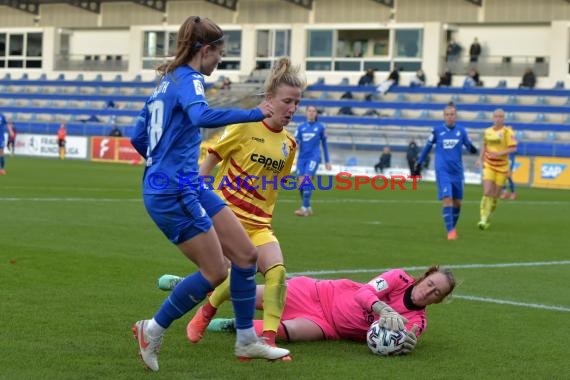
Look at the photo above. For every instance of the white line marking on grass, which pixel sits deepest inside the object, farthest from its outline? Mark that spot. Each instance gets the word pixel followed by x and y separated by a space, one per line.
pixel 514 303
pixel 423 267
pixel 411 201
pixel 16 199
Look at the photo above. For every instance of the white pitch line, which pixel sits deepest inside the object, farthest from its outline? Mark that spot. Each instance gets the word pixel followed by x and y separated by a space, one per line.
pixel 514 303
pixel 452 266
pixel 331 201
pixel 70 199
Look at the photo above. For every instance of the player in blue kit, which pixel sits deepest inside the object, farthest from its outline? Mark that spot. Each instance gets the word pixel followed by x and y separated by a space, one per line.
pixel 310 136
pixel 449 140
pixel 167 135
pixel 4 125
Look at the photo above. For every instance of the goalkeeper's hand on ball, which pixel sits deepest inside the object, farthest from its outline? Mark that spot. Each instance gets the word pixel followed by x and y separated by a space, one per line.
pixel 388 317
pixel 410 341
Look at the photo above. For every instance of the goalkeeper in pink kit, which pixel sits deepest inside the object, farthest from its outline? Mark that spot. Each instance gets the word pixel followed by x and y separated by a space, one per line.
pixel 344 309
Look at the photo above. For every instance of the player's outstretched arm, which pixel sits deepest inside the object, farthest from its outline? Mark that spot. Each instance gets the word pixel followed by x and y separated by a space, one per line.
pixel 388 317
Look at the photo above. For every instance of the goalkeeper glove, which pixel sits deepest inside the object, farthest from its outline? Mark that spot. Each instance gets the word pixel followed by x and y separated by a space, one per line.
pixel 388 317
pixel 410 341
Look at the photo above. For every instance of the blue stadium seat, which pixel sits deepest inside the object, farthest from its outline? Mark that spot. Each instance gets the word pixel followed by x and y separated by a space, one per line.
pixel 138 78
pixel 551 136
pixel 79 77
pixel 344 82
pixel 429 97
pixel 7 76
pixel 541 100
pixel 502 84
pixel 455 98
pixel 510 116
pixel 60 77
pixel 351 161
pixel 24 76
pixel 483 98
pixel 118 78
pixel 481 115
pixel 320 80
pixel 519 135
pixel 567 120
pixel 43 76
pixel 559 84
pixel 425 114
pixel 98 78
pixel 540 118
pixel 401 98
pixel 512 99
pixel 397 114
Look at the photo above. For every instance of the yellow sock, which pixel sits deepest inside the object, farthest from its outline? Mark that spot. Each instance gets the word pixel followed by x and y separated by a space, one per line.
pixel 482 208
pixel 487 205
pixel 493 205
pixel 273 297
pixel 221 294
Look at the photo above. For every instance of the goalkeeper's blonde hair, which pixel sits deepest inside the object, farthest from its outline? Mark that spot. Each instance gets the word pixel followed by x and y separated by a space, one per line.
pixel 446 272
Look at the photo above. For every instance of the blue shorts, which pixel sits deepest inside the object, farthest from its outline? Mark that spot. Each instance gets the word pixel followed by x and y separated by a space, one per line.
pixel 1 140
pixel 307 167
pixel 447 188
pixel 182 216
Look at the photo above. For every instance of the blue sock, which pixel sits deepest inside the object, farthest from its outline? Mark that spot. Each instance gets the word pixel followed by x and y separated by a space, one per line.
pixel 456 212
pixel 187 294
pixel 2 162
pixel 307 197
pixel 447 212
pixel 242 290
pixel 511 185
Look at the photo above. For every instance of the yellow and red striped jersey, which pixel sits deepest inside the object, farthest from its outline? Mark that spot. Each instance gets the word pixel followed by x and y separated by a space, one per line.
pixel 497 140
pixel 254 160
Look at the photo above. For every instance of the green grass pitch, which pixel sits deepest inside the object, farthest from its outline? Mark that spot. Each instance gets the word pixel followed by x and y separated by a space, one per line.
pixel 79 259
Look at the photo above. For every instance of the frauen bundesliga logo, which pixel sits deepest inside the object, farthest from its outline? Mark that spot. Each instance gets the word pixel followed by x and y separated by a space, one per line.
pixel 341 181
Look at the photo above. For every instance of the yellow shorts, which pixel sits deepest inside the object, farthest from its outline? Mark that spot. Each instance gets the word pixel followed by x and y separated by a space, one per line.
pixel 494 176
pixel 259 235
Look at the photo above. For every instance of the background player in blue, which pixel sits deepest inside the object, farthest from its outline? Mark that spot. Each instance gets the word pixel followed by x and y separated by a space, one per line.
pixel 4 126
pixel 167 134
pixel 510 182
pixel 310 135
pixel 449 140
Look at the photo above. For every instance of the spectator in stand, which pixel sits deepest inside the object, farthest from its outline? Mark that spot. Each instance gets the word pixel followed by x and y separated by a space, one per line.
pixel 445 79
pixel 472 79
pixel 392 80
pixel 528 79
pixel 367 79
pixel 61 140
pixel 385 160
pixel 412 155
pixel 419 79
pixel 116 132
pixel 11 145
pixel 453 51
pixel 474 51
pixel 226 84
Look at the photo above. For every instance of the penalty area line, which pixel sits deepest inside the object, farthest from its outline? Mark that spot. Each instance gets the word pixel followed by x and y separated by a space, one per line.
pixel 513 303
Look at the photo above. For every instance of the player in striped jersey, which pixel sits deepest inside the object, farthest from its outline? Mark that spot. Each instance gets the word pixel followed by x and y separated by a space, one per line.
pixel 499 142
pixel 254 159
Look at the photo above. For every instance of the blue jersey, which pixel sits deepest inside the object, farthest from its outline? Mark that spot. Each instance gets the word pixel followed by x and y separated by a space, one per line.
pixel 449 144
pixel 310 135
pixel 3 124
pixel 167 132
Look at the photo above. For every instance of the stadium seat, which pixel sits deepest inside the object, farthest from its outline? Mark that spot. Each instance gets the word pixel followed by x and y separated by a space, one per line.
pixel 60 77
pixel 344 82
pixel 559 84
pixel 551 136
pixel 519 135
pixel 429 97
pixel 7 76
pixel 24 76
pixel 455 98
pixel 397 114
pixel 541 100
pixel 401 98
pixel 351 161
pixel 512 99
pixel 481 115
pixel 483 98
pixel 425 114
pixel 98 78
pixel 79 77
pixel 510 116
pixel 502 84
pixel 43 76
pixel 118 78
pixel 540 118
pixel 138 78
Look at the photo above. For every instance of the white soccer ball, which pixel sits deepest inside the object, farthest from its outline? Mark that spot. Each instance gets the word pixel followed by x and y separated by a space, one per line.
pixel 384 342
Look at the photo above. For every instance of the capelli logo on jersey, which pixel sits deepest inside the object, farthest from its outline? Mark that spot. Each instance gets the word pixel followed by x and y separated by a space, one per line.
pixel 268 163
pixel 258 139
pixel 450 143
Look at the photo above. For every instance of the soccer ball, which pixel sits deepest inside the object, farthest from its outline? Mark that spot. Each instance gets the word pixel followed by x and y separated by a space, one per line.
pixel 384 342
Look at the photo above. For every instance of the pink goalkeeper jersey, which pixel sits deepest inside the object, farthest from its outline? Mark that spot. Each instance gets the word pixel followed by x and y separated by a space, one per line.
pixel 347 305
